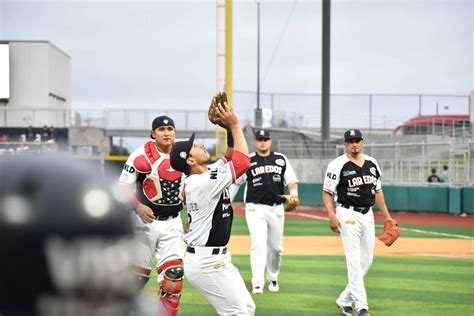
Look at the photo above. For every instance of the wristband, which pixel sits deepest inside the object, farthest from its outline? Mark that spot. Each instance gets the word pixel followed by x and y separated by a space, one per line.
pixel 230 139
pixel 294 192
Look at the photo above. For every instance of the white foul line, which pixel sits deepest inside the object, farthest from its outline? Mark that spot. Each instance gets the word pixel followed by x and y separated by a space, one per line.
pixel 401 228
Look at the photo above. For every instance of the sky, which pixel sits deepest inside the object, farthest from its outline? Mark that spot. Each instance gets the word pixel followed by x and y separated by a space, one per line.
pixel 162 54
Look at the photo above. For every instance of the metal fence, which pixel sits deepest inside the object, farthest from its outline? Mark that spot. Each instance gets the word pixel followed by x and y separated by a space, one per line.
pixel 367 111
pixel 291 110
pixel 412 162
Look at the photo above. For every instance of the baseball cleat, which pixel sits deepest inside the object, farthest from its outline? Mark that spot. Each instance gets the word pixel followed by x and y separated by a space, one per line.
pixel 346 310
pixel 257 290
pixel 363 312
pixel 273 286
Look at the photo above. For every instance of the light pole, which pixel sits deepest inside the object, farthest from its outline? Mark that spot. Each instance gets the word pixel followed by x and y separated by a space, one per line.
pixel 258 110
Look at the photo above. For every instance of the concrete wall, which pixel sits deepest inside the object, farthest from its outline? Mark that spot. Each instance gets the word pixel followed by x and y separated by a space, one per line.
pixel 40 85
pixel 88 141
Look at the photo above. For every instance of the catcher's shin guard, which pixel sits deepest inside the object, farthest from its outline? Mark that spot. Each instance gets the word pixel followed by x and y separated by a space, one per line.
pixel 170 276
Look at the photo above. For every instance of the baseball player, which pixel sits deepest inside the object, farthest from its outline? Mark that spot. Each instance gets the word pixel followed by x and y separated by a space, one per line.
pixel 352 180
pixel 157 202
pixel 208 262
pixel 265 180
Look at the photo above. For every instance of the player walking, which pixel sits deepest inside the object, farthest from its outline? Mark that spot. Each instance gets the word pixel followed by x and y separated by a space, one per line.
pixel 266 178
pixel 355 180
pixel 157 202
pixel 208 262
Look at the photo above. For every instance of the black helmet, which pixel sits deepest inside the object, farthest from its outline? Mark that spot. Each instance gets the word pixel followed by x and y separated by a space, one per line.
pixel 65 240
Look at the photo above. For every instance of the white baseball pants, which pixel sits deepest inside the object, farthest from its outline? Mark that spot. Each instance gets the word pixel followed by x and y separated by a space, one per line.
pixel 265 224
pixel 358 238
pixel 219 281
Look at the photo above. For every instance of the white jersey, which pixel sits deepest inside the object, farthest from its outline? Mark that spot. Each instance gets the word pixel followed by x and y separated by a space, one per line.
pixel 209 206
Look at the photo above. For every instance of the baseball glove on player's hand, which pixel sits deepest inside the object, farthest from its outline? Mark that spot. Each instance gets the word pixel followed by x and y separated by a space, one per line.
pixel 390 232
pixel 220 97
pixel 293 202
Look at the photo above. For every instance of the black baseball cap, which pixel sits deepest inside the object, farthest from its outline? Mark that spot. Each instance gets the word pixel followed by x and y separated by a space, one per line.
pixel 262 134
pixel 161 121
pixel 353 134
pixel 179 154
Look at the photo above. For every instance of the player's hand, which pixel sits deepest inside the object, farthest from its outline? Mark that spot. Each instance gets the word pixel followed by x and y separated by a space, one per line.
pixel 145 213
pixel 334 224
pixel 226 115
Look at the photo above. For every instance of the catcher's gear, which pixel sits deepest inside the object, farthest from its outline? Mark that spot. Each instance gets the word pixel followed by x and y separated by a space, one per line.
pixel 170 277
pixel 220 97
pixel 293 202
pixel 390 232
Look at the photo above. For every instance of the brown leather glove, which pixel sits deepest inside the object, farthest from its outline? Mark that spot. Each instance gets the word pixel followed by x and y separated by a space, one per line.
pixel 293 202
pixel 220 97
pixel 390 232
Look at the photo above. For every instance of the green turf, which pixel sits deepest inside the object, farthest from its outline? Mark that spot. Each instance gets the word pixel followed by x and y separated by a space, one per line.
pixel 395 286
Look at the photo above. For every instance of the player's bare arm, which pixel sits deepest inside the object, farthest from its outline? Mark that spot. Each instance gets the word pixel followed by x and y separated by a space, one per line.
pixel 333 221
pixel 230 120
pixel 380 202
pixel 144 212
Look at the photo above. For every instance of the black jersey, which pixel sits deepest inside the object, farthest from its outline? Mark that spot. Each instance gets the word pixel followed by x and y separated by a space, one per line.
pixel 354 185
pixel 266 178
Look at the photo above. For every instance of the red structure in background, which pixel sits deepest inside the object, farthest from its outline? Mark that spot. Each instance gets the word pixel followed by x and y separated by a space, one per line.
pixel 451 125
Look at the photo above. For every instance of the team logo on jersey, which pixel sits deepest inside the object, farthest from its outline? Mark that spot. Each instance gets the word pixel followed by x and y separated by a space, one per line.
pixel 253 164
pixel 223 169
pixel 280 162
pixel 276 178
pixel 183 154
pixel 373 171
pixel 327 184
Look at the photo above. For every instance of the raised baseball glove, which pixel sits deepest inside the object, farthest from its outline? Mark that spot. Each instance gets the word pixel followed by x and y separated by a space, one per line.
pixel 293 202
pixel 219 97
pixel 390 232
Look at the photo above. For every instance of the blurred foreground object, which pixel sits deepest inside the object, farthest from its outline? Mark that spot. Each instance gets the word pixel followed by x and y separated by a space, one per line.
pixel 66 241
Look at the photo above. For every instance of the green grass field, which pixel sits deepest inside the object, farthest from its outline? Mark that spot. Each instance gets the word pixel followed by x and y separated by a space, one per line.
pixel 309 285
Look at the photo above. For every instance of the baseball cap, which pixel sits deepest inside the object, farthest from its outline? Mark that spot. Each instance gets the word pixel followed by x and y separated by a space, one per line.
pixel 179 154
pixel 352 134
pixel 262 134
pixel 161 121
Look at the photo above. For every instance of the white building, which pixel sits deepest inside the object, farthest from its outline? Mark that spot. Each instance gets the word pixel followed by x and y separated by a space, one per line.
pixel 35 84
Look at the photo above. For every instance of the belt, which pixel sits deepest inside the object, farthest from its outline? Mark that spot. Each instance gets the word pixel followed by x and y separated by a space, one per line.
pixel 270 203
pixel 207 250
pixel 165 218
pixel 358 209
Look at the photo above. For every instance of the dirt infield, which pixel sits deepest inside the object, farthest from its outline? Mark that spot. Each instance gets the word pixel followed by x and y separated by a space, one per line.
pixel 405 246
pixel 332 246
